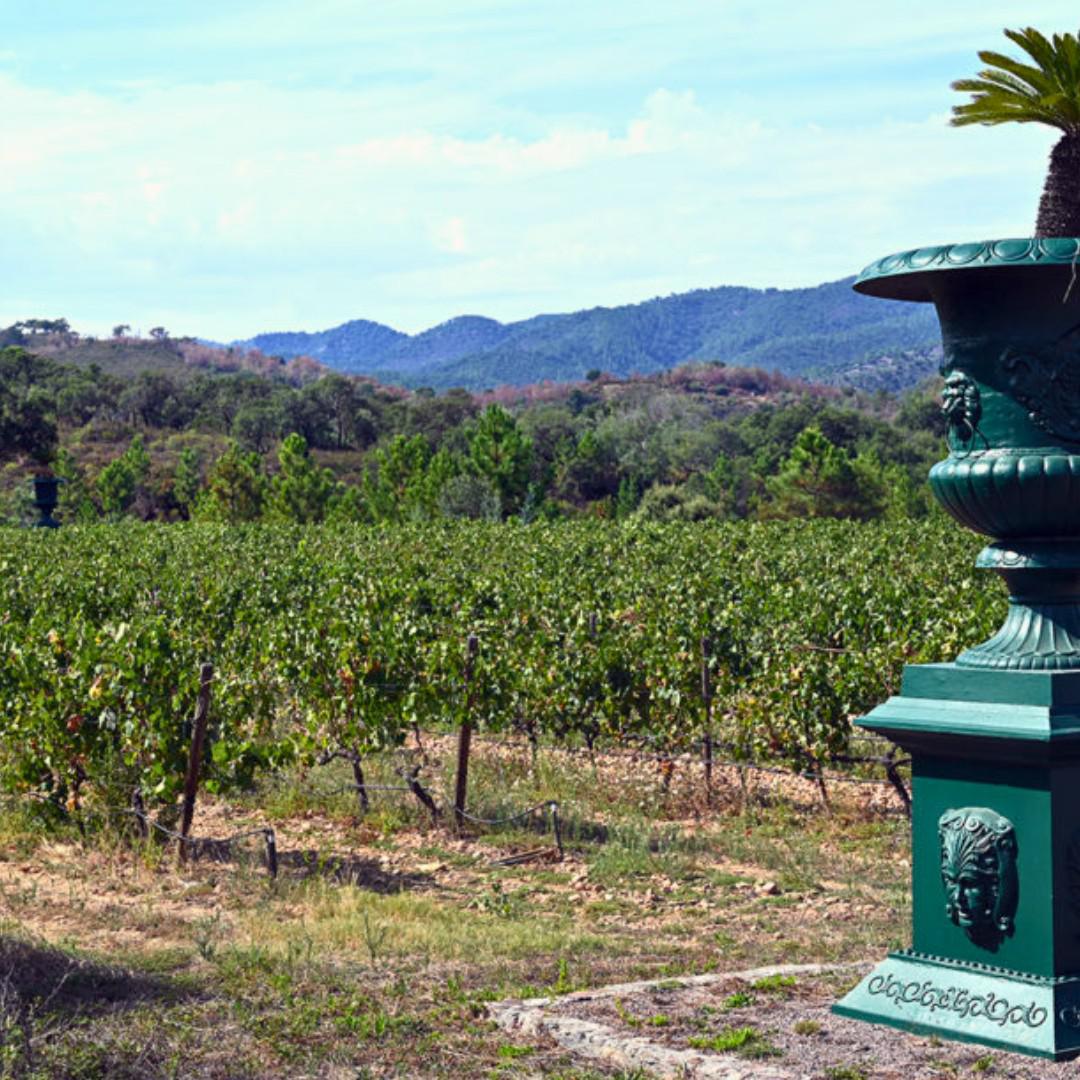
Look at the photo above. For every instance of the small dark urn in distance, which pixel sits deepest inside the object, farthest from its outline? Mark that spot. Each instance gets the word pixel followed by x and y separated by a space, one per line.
pixel 46 498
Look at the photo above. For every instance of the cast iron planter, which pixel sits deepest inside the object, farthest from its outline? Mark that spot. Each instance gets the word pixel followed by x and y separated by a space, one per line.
pixel 995 736
pixel 46 498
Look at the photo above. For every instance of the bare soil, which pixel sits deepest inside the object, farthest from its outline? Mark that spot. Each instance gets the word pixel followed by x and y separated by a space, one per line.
pixel 377 950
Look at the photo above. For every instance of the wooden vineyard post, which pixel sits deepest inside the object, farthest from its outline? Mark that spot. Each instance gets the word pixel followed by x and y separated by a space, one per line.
pixel 706 698
pixel 138 810
pixel 361 785
pixel 465 734
pixel 198 737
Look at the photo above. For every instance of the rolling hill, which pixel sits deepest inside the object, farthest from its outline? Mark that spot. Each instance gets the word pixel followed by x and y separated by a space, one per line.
pixel 827 332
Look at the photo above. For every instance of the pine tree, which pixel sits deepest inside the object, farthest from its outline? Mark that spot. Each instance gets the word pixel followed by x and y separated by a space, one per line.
pixel 235 488
pixel 501 454
pixel 187 480
pixel 301 491
pixel 819 479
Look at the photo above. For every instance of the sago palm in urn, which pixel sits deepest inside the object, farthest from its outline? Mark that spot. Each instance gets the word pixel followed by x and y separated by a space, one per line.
pixel 1044 91
pixel 1010 320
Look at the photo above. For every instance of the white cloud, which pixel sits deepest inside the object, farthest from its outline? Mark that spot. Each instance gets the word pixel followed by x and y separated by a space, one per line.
pixel 227 209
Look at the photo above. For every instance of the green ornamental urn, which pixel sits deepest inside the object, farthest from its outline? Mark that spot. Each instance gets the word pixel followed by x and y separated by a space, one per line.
pixel 46 499
pixel 994 736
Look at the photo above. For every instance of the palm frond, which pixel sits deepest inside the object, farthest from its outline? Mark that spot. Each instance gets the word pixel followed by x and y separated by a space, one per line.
pixel 992 95
pixel 1009 82
pixel 1035 78
pixel 1035 45
pixel 1001 108
pixel 1047 92
pixel 1067 48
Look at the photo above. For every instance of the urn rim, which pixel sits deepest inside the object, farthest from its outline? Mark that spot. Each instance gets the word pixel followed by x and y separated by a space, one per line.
pixel 908 275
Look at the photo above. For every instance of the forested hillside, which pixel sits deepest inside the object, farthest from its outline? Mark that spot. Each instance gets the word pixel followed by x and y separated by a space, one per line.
pixel 235 435
pixel 828 333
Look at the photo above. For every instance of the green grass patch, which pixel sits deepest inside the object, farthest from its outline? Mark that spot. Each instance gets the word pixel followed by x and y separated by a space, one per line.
pixel 739 1000
pixel 745 1041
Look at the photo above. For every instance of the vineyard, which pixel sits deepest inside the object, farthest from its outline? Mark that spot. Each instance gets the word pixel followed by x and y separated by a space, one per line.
pixel 765 639
pixel 591 664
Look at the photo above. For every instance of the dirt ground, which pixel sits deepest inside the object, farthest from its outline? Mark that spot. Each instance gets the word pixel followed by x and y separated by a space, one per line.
pixel 379 947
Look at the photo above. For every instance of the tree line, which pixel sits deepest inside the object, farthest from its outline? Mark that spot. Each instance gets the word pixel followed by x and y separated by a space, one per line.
pixel 703 441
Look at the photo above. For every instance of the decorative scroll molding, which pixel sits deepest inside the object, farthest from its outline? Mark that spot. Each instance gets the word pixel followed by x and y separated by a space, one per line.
pixel 925 994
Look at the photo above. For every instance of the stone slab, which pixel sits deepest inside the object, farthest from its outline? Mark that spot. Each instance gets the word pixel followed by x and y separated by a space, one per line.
pixel 600 1043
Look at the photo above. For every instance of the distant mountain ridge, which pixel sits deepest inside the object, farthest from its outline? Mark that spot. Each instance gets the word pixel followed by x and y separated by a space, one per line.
pixel 358 337
pixel 827 332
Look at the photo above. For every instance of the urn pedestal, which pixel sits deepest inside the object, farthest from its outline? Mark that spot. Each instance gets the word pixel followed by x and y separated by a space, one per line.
pixel 995 736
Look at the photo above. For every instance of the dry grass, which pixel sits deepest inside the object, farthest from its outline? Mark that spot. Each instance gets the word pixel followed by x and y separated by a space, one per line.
pixel 374 951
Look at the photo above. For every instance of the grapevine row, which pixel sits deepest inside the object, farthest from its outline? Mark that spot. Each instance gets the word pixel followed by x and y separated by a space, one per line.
pixel 328 639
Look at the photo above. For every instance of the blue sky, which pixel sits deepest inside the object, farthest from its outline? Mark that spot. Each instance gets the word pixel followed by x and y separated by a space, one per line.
pixel 245 165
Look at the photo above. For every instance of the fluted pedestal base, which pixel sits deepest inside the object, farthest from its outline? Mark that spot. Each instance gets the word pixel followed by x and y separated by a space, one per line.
pixel 1042 629
pixel 1035 637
